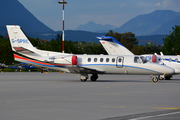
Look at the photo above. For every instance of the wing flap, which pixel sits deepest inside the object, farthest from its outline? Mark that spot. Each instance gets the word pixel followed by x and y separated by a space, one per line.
pixel 79 69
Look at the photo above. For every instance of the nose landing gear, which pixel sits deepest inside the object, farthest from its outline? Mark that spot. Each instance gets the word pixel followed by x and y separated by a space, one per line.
pixel 154 79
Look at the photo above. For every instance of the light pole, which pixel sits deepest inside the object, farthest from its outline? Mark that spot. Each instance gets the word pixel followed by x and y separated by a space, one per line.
pixel 63 2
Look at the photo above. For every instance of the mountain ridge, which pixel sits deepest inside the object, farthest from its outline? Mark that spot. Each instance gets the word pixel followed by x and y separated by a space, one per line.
pixel 93 27
pixel 146 24
pixel 156 22
pixel 14 13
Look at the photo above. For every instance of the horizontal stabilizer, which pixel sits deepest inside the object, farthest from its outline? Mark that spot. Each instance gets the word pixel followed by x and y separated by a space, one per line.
pixel 21 49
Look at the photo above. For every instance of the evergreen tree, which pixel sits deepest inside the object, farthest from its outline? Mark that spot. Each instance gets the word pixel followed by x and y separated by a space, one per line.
pixel 172 42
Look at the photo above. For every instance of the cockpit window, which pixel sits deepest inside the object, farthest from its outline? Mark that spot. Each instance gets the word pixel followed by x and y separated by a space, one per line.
pixel 137 60
pixel 144 60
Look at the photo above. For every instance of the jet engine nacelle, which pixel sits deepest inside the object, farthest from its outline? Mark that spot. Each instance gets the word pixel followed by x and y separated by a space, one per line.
pixel 66 60
pixel 154 58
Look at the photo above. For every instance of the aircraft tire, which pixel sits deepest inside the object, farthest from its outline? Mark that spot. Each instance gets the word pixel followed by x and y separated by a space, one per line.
pixel 84 77
pixel 94 77
pixel 155 79
pixel 160 78
pixel 167 78
pixel 83 80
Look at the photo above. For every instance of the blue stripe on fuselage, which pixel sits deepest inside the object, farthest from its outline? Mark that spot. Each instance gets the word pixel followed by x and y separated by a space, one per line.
pixel 119 66
pixel 171 60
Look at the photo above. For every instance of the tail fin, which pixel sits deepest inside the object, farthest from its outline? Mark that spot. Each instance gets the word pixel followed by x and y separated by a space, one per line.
pixel 113 47
pixel 18 40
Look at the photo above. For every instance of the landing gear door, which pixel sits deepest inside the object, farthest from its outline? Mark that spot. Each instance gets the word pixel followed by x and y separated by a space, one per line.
pixel 119 62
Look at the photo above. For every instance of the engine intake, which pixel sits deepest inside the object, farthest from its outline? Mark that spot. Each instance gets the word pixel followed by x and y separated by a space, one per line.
pixel 66 60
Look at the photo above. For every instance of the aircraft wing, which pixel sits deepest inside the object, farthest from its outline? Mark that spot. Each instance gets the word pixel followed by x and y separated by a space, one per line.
pixel 82 69
pixel 2 65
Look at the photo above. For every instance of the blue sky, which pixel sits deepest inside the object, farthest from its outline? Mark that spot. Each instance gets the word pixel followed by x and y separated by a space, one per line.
pixel 114 12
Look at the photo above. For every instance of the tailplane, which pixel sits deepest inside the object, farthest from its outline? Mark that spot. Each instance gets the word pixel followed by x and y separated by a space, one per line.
pixel 18 40
pixel 113 47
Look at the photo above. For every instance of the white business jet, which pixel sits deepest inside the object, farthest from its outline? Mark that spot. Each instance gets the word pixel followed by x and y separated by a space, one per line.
pixel 24 52
pixel 172 61
pixel 113 47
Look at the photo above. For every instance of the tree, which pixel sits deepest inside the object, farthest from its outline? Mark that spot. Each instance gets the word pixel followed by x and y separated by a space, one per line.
pixel 172 42
pixel 6 54
pixel 138 50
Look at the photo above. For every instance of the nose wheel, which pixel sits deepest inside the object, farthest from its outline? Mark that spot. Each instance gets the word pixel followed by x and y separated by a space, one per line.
pixel 154 79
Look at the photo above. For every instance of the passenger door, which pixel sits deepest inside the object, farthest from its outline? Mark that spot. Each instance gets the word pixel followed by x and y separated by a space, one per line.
pixel 119 62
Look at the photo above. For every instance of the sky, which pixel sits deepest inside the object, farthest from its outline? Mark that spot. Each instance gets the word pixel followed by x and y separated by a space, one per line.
pixel 77 12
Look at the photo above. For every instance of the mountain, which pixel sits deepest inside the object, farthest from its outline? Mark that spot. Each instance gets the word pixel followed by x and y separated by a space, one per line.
pixel 14 13
pixel 93 27
pixel 144 26
pixel 167 27
pixel 73 35
pixel 157 22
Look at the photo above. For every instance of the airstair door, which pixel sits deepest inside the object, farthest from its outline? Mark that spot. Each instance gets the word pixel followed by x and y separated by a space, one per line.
pixel 119 62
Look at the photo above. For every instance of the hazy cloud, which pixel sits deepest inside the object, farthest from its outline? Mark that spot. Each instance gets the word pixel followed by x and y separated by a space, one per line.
pixel 158 4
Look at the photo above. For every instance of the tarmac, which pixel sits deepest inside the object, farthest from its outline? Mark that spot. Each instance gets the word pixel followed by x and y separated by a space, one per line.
pixel 62 96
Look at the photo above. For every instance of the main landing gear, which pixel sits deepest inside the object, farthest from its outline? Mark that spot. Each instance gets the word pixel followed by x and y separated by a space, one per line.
pixel 84 77
pixel 165 77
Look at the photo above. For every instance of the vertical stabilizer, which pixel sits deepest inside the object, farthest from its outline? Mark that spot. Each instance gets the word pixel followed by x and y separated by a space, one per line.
pixel 113 47
pixel 18 39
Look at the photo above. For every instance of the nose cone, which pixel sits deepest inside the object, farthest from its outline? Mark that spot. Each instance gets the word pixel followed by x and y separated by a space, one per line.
pixel 166 70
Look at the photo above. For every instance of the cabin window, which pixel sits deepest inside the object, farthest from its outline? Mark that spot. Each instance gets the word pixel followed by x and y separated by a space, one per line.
pixel 107 59
pixel 119 60
pixel 113 60
pixel 170 59
pixel 101 60
pixel 137 60
pixel 95 59
pixel 176 60
pixel 89 59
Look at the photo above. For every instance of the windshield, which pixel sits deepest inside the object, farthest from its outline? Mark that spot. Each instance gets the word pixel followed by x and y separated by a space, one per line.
pixel 143 59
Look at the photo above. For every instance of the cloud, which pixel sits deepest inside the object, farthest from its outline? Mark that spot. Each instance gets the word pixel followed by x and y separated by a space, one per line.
pixel 158 4
pixel 166 3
